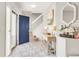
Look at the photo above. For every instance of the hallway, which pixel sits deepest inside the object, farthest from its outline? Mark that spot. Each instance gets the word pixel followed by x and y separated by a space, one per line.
pixel 21 20
pixel 39 29
pixel 31 49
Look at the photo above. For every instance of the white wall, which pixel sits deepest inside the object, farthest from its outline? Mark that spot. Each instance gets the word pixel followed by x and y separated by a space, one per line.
pixel 33 17
pixel 38 28
pixel 58 15
pixel 8 30
pixel 2 29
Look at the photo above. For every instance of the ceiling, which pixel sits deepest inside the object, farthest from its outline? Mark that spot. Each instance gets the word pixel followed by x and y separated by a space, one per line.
pixel 40 6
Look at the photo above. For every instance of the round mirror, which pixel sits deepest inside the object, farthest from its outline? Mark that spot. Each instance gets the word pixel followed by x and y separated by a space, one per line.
pixel 69 14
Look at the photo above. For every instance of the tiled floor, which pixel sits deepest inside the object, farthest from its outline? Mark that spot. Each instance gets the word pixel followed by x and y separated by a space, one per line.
pixel 31 49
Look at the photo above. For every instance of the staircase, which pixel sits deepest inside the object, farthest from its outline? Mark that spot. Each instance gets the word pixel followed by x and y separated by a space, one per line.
pixel 37 27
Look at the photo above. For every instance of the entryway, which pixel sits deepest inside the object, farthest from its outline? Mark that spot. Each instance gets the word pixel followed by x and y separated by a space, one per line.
pixel 11 30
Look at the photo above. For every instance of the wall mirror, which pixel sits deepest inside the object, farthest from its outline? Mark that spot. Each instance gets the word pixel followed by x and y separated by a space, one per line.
pixel 68 13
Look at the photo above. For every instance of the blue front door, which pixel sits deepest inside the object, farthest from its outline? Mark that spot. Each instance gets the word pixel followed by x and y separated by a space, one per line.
pixel 23 29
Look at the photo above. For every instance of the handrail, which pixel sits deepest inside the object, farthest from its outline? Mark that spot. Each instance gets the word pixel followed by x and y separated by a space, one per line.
pixel 37 19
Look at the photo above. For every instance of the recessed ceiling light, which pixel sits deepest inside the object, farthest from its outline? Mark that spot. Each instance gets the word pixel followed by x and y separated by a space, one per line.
pixel 33 6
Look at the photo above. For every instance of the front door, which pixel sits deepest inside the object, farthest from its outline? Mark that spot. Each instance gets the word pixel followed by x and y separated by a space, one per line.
pixel 23 29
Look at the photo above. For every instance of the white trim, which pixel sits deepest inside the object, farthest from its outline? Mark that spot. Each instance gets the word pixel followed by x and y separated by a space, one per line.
pixel 37 19
pixel 8 30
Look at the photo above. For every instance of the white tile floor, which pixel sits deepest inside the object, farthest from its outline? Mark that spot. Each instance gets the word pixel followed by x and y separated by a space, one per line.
pixel 31 49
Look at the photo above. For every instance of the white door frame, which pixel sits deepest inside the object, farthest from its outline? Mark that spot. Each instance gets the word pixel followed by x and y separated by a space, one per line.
pixel 8 30
pixel 13 29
